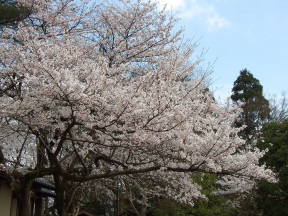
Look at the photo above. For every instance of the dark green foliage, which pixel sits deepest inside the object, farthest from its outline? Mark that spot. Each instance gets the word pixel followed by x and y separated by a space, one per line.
pixel 247 204
pixel 273 198
pixel 249 91
pixel 215 205
pixel 12 13
pixel 168 207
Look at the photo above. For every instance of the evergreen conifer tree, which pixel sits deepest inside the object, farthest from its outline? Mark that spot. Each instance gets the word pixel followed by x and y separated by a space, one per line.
pixel 11 13
pixel 248 90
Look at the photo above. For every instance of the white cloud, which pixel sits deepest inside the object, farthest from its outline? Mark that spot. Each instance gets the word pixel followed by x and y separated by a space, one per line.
pixel 217 22
pixel 198 10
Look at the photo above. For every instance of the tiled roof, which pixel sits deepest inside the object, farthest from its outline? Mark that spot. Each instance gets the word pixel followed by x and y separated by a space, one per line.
pixel 43 183
pixel 44 192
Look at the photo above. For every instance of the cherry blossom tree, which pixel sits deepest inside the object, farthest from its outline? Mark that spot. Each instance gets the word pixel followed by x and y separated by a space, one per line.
pixel 92 91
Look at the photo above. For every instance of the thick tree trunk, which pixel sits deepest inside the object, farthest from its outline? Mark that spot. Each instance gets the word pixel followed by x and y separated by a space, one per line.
pixel 59 190
pixel 24 201
pixel 68 197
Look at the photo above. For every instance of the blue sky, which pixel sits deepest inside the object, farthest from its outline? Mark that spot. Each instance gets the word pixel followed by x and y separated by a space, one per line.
pixel 239 34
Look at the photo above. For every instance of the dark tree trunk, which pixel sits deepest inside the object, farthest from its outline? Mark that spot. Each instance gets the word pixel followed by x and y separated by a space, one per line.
pixel 68 197
pixel 38 206
pixel 2 158
pixel 59 190
pixel 23 196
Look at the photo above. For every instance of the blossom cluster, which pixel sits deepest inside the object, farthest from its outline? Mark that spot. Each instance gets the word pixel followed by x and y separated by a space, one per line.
pixel 109 90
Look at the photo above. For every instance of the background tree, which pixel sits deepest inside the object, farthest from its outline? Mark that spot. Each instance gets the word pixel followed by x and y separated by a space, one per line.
pixel 249 91
pixel 273 198
pixel 11 13
pixel 279 108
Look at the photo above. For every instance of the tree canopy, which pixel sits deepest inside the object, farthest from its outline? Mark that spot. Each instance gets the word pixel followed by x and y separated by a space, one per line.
pixel 272 198
pixel 248 91
pixel 95 91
